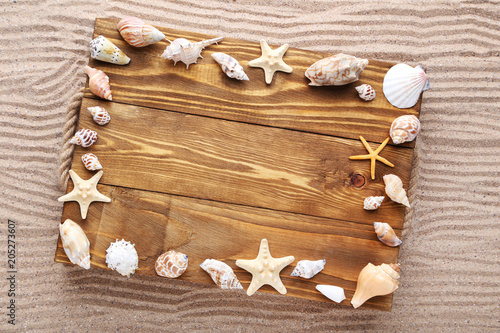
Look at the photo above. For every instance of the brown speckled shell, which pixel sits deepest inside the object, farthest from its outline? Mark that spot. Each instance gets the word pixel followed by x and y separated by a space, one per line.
pixel 171 264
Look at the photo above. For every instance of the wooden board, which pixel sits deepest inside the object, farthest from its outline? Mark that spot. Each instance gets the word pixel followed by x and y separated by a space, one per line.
pixel 209 166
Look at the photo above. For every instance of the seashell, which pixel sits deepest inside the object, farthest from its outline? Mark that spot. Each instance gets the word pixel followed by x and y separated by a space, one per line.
pixel 375 281
pixel 366 92
pixel 386 234
pixel 404 129
pixel 230 66
pixel 99 83
pixel 100 115
pixel 394 189
pixel 336 70
pixel 308 268
pixel 334 293
pixel 75 243
pixel 91 162
pixel 403 85
pixel 221 274
pixel 183 50
pixel 171 264
pixel 103 49
pixel 84 138
pixel 138 33
pixel 372 203
pixel 122 257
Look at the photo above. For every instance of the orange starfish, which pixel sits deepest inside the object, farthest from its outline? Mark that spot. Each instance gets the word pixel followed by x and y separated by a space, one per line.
pixel 373 155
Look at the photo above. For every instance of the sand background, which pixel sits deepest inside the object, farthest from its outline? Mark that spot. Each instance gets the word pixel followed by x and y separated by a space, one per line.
pixel 450 254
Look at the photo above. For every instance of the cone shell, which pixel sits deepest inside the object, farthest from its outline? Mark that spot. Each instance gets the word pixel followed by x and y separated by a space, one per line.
pixel 91 162
pixel 100 115
pixel 99 83
pixel 394 189
pixel 183 50
pixel 334 293
pixel 138 33
pixel 75 243
pixel 336 70
pixel 404 129
pixel 386 234
pixel 171 264
pixel 230 66
pixel 403 85
pixel 84 138
pixel 372 203
pixel 221 274
pixel 375 281
pixel 103 49
pixel 366 92
pixel 308 268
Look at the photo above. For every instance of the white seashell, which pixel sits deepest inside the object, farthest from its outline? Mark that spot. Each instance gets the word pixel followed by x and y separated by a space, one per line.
pixel 221 274
pixel 103 49
pixel 91 162
pixel 366 92
pixel 336 70
pixel 138 33
pixel 171 264
pixel 230 66
pixel 386 234
pixel 404 129
pixel 75 243
pixel 394 189
pixel 84 138
pixel 372 203
pixel 122 257
pixel 308 268
pixel 100 115
pixel 403 85
pixel 334 293
pixel 183 50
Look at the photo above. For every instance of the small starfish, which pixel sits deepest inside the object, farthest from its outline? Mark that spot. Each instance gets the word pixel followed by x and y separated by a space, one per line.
pixel 373 155
pixel 271 60
pixel 85 192
pixel 265 269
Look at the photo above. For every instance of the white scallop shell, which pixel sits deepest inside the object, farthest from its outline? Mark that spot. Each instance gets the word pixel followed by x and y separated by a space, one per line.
pixel 91 162
pixel 366 92
pixel 403 85
pixel 394 189
pixel 404 129
pixel 84 137
pixel 183 50
pixel 334 293
pixel 122 257
pixel 75 243
pixel 230 66
pixel 308 268
pixel 221 273
pixel 372 203
pixel 171 264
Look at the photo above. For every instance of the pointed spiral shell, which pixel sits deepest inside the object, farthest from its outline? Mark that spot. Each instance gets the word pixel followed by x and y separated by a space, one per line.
pixel 100 115
pixel 230 66
pixel 183 50
pixel 84 137
pixel 91 162
pixel 336 70
pixel 394 189
pixel 138 33
pixel 99 83
pixel 404 129
pixel 366 92
pixel 372 203
pixel 103 49
pixel 171 264
pixel 386 234
pixel 221 274
pixel 308 268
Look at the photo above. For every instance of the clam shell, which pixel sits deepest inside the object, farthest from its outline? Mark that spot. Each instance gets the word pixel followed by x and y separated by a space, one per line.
pixel 221 274
pixel 336 70
pixel 183 50
pixel 75 243
pixel 394 189
pixel 99 83
pixel 404 129
pixel 122 257
pixel 386 234
pixel 334 293
pixel 403 85
pixel 84 137
pixel 171 264
pixel 308 268
pixel 230 66
pixel 372 203
pixel 103 49
pixel 100 115
pixel 366 92
pixel 91 162
pixel 138 33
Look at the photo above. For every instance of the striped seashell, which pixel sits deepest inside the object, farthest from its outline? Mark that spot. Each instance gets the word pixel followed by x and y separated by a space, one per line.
pixel 336 70
pixel 138 33
pixel 394 189
pixel 403 85
pixel 230 66
pixel 372 203
pixel 75 243
pixel 221 274
pixel 103 49
pixel 91 162
pixel 99 83
pixel 171 264
pixel 84 138
pixel 366 92
pixel 386 234
pixel 404 129
pixel 183 50
pixel 100 115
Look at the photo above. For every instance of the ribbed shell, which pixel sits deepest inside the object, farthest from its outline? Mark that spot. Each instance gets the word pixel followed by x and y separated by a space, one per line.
pixel 171 264
pixel 221 274
pixel 386 234
pixel 372 203
pixel 394 189
pixel 84 137
pixel 138 33
pixel 103 49
pixel 404 129
pixel 100 115
pixel 183 50
pixel 336 70
pixel 75 243
pixel 230 66
pixel 366 92
pixel 91 162
pixel 99 83
pixel 403 85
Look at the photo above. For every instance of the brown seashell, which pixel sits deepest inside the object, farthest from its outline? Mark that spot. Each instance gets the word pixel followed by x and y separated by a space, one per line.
pixel 375 281
pixel 404 129
pixel 171 264
pixel 372 203
pixel 138 33
pixel 386 234
pixel 84 137
pixel 366 92
pixel 91 162
pixel 336 70
pixel 100 115
pixel 99 83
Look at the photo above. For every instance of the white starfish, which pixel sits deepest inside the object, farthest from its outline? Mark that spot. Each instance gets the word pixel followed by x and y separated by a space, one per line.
pixel 271 60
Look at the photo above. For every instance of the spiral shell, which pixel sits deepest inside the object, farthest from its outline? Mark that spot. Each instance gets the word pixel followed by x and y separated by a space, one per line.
pixel 230 66
pixel 75 243
pixel 308 268
pixel 386 234
pixel 104 50
pixel 366 92
pixel 100 115
pixel 404 129
pixel 403 85
pixel 336 70
pixel 84 138
pixel 394 189
pixel 99 83
pixel 372 203
pixel 221 274
pixel 138 33
pixel 171 264
pixel 183 50
pixel 375 281
pixel 91 162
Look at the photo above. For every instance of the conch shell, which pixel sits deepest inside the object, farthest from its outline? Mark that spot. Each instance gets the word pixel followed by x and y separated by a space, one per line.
pixel 171 264
pixel 99 83
pixel 103 49
pixel 183 50
pixel 84 137
pixel 386 234
pixel 100 115
pixel 91 162
pixel 366 92
pixel 308 268
pixel 375 281
pixel 403 85
pixel 230 66
pixel 372 203
pixel 394 189
pixel 138 33
pixel 404 129
pixel 221 274
pixel 336 70
pixel 75 243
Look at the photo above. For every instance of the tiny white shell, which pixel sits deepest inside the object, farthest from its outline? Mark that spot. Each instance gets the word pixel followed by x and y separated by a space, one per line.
pixel 230 66
pixel 221 273
pixel 403 85
pixel 183 50
pixel 75 243
pixel 394 189
pixel 308 268
pixel 404 129
pixel 366 92
pixel 372 203
pixel 334 293
pixel 91 162
pixel 84 137
pixel 100 115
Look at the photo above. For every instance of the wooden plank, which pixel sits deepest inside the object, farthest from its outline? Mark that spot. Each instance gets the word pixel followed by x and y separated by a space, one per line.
pixel 202 229
pixel 239 163
pixel 288 102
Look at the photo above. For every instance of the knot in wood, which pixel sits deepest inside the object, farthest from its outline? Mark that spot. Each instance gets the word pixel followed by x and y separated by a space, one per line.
pixel 358 180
